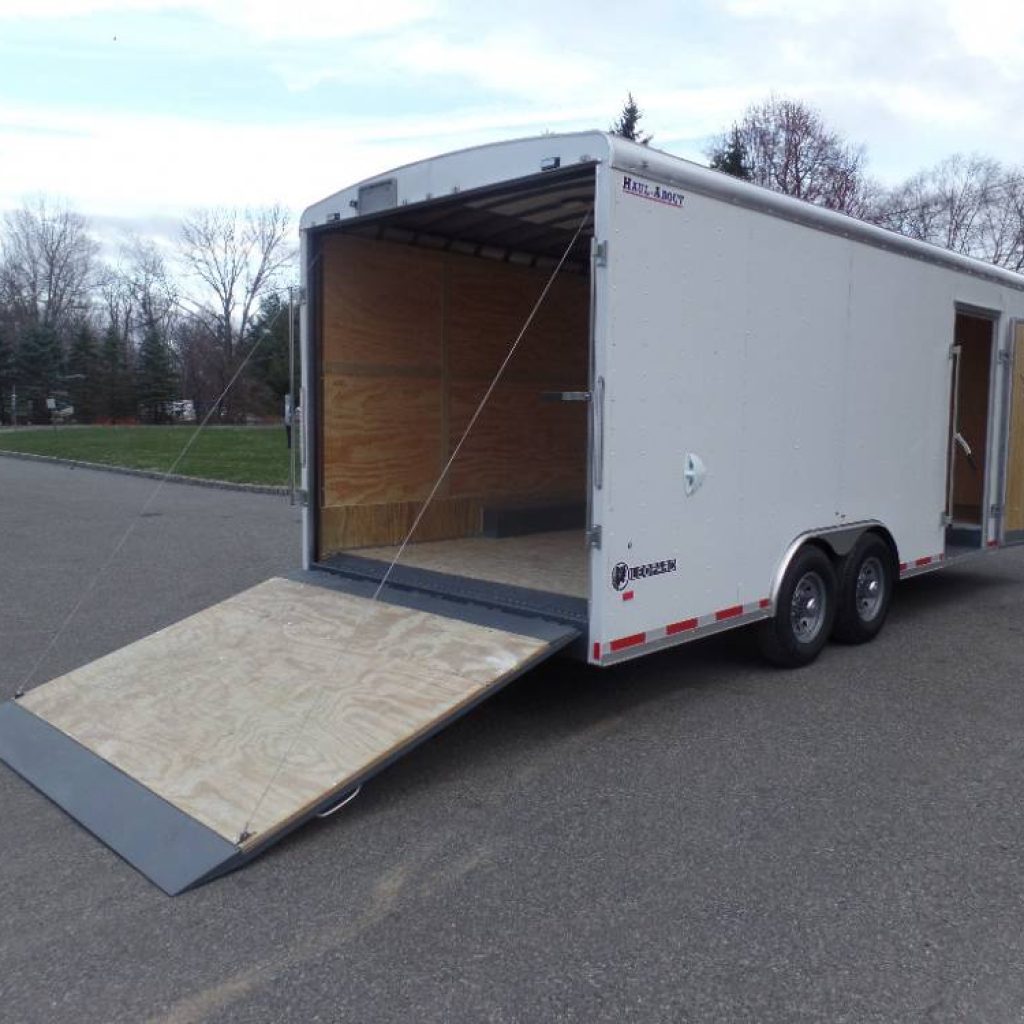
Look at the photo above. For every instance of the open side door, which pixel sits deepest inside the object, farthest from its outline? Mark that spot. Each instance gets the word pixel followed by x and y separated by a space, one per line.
pixel 1013 522
pixel 194 749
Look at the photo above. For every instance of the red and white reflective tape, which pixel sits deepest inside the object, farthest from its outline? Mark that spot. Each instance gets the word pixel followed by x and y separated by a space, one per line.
pixel 927 563
pixel 684 629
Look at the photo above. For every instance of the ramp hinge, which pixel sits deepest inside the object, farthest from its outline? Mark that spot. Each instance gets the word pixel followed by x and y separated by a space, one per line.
pixel 594 537
pixel 945 518
pixel 1005 356
pixel 995 511
pixel 600 254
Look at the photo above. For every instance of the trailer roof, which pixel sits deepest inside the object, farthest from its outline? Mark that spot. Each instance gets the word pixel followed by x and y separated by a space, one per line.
pixel 493 164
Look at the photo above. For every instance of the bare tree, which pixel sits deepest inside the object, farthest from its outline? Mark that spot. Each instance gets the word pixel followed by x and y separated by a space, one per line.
pixel 116 300
pixel 969 204
pixel 148 282
pixel 785 145
pixel 47 263
pixel 236 256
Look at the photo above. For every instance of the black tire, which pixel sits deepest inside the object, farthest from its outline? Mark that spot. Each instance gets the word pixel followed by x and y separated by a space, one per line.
pixel 805 610
pixel 866 577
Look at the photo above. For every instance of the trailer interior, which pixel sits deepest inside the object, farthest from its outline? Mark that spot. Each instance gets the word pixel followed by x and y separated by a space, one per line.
pixel 415 309
pixel 970 411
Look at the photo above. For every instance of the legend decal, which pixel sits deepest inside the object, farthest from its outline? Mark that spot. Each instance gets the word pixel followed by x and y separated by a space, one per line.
pixel 656 193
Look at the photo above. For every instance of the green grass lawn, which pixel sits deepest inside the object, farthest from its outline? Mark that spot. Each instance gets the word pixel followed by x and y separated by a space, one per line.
pixel 251 455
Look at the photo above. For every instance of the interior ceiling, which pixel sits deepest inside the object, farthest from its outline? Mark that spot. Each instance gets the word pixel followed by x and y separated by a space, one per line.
pixel 532 221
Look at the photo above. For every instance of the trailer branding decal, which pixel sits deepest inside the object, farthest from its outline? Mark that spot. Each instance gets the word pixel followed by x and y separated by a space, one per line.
pixel 623 574
pixel 656 193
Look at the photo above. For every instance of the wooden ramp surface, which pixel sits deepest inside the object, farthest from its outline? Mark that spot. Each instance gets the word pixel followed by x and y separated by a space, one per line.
pixel 248 716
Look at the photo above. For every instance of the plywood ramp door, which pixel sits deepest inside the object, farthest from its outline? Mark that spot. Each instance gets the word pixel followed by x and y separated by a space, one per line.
pixel 246 717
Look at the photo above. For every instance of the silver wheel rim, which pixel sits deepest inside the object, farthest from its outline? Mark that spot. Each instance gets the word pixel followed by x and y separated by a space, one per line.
pixel 870 588
pixel 807 608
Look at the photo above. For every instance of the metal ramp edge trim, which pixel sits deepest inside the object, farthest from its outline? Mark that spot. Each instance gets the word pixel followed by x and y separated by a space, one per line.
pixel 516 600
pixel 168 846
pixel 539 623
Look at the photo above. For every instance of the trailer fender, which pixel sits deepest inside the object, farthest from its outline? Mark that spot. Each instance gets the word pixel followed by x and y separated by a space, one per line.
pixel 836 541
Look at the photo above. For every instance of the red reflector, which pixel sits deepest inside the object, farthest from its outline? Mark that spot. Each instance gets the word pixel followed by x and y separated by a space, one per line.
pixel 680 627
pixel 628 595
pixel 628 641
pixel 729 613
pixel 765 602
pixel 993 543
pixel 927 560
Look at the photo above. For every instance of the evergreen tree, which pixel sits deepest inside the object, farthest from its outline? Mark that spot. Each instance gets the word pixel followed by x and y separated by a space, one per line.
pixel 156 382
pixel 84 384
pixel 114 397
pixel 37 367
pixel 269 365
pixel 730 156
pixel 6 375
pixel 628 124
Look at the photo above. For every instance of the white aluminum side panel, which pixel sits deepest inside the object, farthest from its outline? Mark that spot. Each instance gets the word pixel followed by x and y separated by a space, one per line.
pixel 808 371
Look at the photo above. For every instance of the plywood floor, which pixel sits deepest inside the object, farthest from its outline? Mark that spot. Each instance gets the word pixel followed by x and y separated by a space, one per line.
pixel 248 714
pixel 552 562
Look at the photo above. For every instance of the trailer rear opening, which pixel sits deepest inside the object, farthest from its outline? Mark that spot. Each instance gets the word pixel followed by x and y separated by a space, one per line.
pixel 415 310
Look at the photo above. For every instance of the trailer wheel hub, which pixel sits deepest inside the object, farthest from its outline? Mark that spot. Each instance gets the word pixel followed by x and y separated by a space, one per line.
pixel 807 609
pixel 870 591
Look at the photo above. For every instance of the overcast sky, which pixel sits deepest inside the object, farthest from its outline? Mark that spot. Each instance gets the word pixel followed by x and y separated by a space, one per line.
pixel 135 110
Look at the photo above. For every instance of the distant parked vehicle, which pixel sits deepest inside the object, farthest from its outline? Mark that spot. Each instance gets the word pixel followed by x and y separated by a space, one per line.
pixel 181 411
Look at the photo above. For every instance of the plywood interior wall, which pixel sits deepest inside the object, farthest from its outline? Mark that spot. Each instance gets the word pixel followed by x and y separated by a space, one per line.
pixel 412 338
pixel 974 336
pixel 1015 465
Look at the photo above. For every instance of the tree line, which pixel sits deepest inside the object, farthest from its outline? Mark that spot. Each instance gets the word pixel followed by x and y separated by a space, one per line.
pixel 131 338
pixel 971 204
pixel 159 330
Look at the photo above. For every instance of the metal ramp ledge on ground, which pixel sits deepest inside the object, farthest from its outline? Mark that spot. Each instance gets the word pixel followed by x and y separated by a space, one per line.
pixel 192 750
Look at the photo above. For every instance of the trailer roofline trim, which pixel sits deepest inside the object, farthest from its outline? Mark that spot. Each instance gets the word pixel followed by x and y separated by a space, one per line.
pixel 628 157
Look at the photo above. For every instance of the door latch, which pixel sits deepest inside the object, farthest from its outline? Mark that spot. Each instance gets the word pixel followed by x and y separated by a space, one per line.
pixel 693 473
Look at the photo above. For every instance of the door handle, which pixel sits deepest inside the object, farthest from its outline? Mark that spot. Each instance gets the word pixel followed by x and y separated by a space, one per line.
pixel 966 449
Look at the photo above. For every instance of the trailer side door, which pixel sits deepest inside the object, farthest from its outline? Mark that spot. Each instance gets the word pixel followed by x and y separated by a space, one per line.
pixel 1014 510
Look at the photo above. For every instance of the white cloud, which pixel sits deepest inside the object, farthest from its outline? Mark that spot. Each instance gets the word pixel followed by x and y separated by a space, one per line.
pixel 914 80
pixel 265 19
pixel 160 166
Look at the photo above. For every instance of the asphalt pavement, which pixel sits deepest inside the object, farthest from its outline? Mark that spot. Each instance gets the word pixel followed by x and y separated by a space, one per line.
pixel 692 837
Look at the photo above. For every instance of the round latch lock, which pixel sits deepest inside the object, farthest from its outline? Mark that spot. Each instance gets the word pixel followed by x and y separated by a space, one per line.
pixel 693 473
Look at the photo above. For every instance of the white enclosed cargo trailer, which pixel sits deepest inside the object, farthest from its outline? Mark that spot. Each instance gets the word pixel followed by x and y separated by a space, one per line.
pixel 559 394
pixel 785 409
